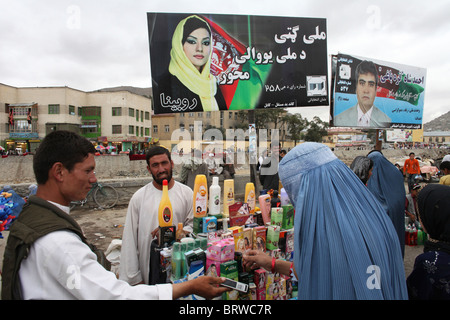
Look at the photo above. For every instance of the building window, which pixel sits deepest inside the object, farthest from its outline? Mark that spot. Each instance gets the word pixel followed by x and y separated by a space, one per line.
pixel 137 115
pixel 181 127
pixel 191 114
pixel 89 127
pixel 155 129
pixel 92 111
pixel 142 116
pixel 116 111
pixel 208 114
pixel 53 109
pixel 147 131
pixel 147 115
pixel 200 114
pixel 181 115
pixel 130 129
pixel 116 128
pixel 191 128
pixel 72 110
pixel 131 112
pixel 166 128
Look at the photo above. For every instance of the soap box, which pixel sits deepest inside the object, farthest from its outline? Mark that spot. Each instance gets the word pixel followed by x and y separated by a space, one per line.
pixel 276 217
pixel 221 250
pixel 259 238
pixel 260 278
pixel 288 217
pixel 209 224
pixel 273 235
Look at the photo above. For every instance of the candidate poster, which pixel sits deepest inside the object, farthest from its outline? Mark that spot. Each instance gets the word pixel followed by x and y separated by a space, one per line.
pixel 210 62
pixel 371 93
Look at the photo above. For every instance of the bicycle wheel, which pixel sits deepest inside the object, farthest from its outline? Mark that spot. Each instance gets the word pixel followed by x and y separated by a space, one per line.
pixel 106 196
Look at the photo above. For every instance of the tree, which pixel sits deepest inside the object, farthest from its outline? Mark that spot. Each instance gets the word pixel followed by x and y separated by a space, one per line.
pixel 316 130
pixel 295 124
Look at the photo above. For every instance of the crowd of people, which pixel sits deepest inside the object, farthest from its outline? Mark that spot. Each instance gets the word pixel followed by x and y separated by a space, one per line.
pixel 349 229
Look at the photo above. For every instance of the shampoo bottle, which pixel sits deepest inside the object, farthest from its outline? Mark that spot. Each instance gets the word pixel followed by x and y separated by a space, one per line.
pixel 228 195
pixel 214 197
pixel 265 206
pixel 200 196
pixel 165 215
pixel 250 197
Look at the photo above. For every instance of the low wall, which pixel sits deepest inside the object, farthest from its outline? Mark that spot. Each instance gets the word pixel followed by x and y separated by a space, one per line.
pixel 128 176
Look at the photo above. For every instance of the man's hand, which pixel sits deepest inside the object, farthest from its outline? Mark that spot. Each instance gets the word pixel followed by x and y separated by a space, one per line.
pixel 204 286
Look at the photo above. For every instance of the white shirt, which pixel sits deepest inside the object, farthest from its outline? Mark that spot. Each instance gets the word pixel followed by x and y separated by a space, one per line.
pixel 61 267
pixel 142 219
pixel 364 118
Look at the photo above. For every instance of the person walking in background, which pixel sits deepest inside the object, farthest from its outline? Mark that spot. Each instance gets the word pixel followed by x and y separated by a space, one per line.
pixel 387 186
pixel 411 168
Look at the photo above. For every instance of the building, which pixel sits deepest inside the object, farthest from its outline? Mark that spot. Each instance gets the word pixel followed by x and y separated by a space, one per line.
pixel 120 119
pixel 164 125
pixel 345 137
pixel 436 138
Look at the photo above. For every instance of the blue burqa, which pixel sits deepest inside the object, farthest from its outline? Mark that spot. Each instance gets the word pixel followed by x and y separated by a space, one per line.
pixel 387 185
pixel 345 245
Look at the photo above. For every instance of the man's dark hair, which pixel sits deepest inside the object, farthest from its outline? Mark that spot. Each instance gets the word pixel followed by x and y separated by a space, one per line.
pixel 157 150
pixel 62 146
pixel 445 165
pixel 367 67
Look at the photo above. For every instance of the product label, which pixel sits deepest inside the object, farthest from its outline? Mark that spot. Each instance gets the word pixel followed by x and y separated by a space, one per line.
pixel 167 214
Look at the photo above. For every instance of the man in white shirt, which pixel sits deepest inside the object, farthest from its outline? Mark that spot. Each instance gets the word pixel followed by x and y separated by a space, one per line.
pixel 364 113
pixel 59 263
pixel 141 224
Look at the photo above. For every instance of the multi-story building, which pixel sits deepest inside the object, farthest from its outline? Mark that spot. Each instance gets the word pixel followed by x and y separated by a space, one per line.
pixel 163 125
pixel 120 119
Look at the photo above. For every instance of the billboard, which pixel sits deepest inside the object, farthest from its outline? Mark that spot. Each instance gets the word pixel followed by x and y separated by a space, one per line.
pixel 210 62
pixel 377 94
pixel 404 135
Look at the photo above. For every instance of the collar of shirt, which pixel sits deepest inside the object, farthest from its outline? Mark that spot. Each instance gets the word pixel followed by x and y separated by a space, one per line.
pixel 60 206
pixel 364 118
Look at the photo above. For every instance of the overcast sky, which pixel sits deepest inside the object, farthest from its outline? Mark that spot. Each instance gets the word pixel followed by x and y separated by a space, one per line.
pixel 89 45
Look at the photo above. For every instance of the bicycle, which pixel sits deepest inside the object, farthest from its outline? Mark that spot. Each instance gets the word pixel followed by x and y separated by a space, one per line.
pixel 104 196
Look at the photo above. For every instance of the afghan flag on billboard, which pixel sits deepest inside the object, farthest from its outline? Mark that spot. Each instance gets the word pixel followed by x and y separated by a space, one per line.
pixel 241 83
pixel 394 84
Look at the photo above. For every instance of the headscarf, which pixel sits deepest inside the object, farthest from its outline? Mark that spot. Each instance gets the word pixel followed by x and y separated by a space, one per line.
pixel 203 84
pixel 342 236
pixel 434 213
pixel 387 185
pixel 361 167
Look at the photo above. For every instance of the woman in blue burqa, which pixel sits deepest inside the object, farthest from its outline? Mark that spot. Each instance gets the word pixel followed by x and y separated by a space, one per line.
pixel 387 185
pixel 345 247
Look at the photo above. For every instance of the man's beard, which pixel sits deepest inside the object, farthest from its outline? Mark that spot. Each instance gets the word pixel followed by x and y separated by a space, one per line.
pixel 160 180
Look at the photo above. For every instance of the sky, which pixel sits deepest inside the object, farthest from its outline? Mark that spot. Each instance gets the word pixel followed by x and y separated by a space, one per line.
pixel 95 44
